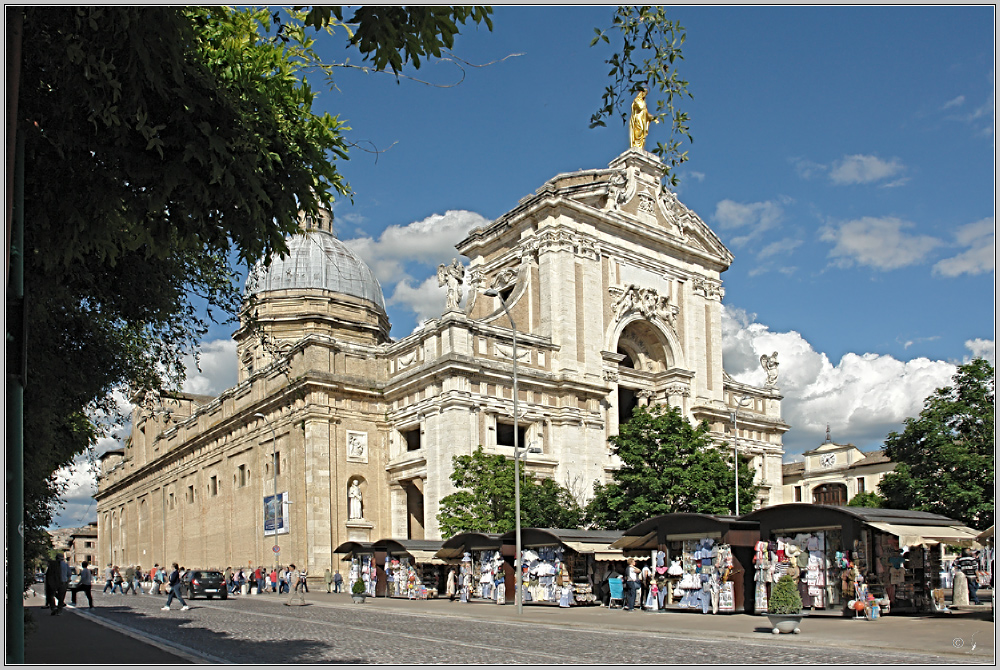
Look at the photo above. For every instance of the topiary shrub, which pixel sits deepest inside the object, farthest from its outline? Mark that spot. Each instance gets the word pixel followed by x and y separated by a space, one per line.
pixel 785 598
pixel 358 588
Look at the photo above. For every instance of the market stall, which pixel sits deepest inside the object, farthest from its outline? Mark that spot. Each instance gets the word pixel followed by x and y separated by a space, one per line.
pixel 891 556
pixel 411 568
pixel 559 565
pixel 482 571
pixel 363 564
pixel 696 561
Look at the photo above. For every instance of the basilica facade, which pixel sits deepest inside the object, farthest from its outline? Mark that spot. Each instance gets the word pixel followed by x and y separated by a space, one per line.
pixel 336 432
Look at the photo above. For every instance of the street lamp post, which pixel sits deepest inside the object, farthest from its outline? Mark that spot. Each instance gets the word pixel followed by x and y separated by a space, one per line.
pixel 274 468
pixel 742 402
pixel 493 293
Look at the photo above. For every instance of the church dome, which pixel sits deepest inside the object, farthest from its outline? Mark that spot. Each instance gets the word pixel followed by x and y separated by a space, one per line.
pixel 317 260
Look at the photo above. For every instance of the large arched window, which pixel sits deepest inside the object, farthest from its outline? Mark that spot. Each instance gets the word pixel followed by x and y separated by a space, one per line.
pixel 830 494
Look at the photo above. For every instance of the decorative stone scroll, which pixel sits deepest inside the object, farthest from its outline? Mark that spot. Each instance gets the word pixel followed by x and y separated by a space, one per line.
pixel 682 390
pixel 710 289
pixel 646 301
pixel 357 446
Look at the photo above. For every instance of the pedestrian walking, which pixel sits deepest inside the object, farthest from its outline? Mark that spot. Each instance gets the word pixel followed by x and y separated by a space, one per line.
pixel 63 581
pixel 175 590
pixel 117 581
pixel 967 565
pixel 328 580
pixel 338 582
pixel 129 580
pixel 450 585
pixel 85 583
pixel 154 576
pixel 52 586
pixel 274 580
pixel 304 579
pixel 139 578
pixel 296 579
pixel 109 576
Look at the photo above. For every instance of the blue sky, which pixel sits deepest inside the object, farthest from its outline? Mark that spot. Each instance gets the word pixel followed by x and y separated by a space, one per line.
pixel 845 155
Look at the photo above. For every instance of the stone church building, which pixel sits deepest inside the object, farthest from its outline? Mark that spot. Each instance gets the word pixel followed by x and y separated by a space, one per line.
pixel 615 290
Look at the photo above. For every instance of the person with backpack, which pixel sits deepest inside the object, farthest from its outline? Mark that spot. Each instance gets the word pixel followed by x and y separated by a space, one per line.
pixel 175 590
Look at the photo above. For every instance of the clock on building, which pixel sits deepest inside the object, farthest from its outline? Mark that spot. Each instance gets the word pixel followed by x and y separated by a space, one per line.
pixel 827 460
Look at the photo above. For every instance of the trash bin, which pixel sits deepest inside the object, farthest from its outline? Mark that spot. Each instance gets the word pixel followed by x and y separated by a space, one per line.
pixel 245 589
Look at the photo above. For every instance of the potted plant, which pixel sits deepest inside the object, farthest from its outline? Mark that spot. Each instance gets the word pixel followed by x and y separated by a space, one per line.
pixel 358 591
pixel 784 607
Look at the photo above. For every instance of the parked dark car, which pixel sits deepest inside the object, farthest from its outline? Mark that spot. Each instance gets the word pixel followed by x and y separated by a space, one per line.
pixel 207 583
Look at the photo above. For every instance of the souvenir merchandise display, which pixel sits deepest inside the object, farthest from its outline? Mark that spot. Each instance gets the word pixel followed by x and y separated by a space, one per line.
pixel 404 580
pixel 364 567
pixel 465 583
pixel 814 559
pixel 544 573
pixel 705 581
pixel 488 574
pixel 582 569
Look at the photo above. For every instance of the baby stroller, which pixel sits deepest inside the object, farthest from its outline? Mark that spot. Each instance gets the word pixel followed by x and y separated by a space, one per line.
pixel 617 592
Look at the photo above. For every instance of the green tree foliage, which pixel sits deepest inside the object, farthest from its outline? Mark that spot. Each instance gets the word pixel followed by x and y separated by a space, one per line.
pixel 866 499
pixel 647 59
pixel 162 144
pixel 945 457
pixel 668 465
pixel 485 499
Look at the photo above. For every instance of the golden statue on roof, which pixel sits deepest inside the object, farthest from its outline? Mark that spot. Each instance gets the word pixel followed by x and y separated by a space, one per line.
pixel 638 125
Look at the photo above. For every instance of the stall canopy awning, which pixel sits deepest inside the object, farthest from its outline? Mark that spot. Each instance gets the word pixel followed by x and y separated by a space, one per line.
pixel 421 551
pixel 455 546
pixel 596 542
pixel 913 535
pixel 350 548
pixel 985 535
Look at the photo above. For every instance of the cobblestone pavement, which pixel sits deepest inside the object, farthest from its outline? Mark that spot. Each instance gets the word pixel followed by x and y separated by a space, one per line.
pixel 263 630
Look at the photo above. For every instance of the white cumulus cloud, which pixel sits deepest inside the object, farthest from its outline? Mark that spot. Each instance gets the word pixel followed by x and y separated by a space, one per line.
pixel 219 368
pixel 429 241
pixel 862 397
pixel 879 243
pixel 979 240
pixel 426 299
pixel 861 169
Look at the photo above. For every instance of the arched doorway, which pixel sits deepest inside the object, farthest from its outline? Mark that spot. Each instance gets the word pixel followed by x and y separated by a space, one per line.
pixel 830 494
pixel 645 352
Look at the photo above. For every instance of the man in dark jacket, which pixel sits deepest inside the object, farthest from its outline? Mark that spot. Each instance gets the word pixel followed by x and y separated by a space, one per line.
pixel 175 589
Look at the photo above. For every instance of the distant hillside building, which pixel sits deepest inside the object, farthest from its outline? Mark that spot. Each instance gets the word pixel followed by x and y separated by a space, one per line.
pixel 83 546
pixel 615 289
pixel 832 474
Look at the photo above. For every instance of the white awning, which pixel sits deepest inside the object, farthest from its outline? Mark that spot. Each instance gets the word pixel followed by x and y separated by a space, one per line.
pixel 914 535
pixel 421 556
pixel 600 550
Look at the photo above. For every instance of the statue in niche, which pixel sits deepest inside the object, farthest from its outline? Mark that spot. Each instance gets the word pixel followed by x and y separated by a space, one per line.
pixel 638 125
pixel 451 276
pixel 354 510
pixel 770 365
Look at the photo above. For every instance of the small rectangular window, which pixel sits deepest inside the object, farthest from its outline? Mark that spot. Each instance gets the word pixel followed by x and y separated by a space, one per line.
pixel 213 486
pixel 190 494
pixel 861 484
pixel 798 494
pixel 505 434
pixel 242 476
pixel 277 463
pixel 412 438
